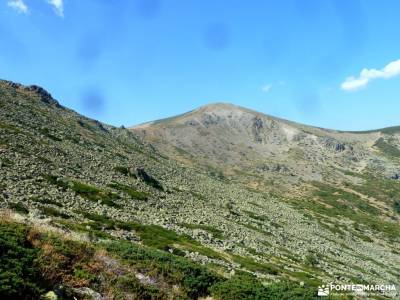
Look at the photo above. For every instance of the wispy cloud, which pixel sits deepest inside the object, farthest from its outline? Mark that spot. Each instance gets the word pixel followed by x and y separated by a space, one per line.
pixel 19 6
pixel 58 6
pixel 352 83
pixel 266 88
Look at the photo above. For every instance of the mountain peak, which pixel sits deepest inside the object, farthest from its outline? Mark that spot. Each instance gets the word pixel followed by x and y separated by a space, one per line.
pixel 221 106
pixel 217 105
pixel 40 92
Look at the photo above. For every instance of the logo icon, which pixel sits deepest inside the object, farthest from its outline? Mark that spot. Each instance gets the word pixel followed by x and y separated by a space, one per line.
pixel 323 291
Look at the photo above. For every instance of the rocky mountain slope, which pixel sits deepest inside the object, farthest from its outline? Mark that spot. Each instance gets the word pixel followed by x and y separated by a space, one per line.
pixel 233 138
pixel 233 191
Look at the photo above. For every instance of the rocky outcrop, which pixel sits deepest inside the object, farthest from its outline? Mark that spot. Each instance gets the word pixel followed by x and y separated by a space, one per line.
pixel 44 95
pixel 148 179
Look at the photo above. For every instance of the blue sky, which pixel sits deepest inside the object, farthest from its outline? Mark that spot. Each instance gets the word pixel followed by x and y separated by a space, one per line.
pixel 131 61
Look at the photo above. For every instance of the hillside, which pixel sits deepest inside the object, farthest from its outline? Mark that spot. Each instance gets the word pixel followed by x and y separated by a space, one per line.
pixel 216 201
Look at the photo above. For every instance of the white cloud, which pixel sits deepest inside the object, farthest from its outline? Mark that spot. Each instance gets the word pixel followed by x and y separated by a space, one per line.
pixel 266 88
pixel 19 6
pixel 352 83
pixel 58 6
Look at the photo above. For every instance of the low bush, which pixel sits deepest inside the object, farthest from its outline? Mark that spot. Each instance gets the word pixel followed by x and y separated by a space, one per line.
pixel 124 171
pixel 244 287
pixel 51 211
pixel 18 207
pixel 194 279
pixel 214 231
pixel 95 194
pixel 20 278
pixel 133 193
pixel 45 201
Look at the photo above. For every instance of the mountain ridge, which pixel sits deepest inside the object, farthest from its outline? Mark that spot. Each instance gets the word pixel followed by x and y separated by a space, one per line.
pixel 297 207
pixel 212 106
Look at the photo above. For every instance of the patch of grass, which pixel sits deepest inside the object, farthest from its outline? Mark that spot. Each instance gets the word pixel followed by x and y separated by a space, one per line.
pixel 57 181
pixel 45 201
pixel 46 132
pixel 81 272
pixel 256 216
pixel 198 196
pixel 33 262
pixel 129 284
pixel 312 259
pixel 149 180
pixel 18 207
pixel 256 204
pixel 214 231
pixel 396 206
pixel 380 188
pixel 363 237
pixel 94 229
pixel 340 209
pixel 100 222
pixel 195 280
pixel 124 171
pixel 9 127
pixel 254 266
pixel 158 237
pixel 307 278
pixel 133 193
pixel 244 287
pixel 249 226
pixel 51 211
pixel 63 260
pixel 343 200
pixel 95 194
pixel 86 191
pixel 334 228
pixel 6 162
pixel 19 275
pixel 386 148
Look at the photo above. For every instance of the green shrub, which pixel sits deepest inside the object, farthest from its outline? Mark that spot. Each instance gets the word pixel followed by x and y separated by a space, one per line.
pixel 46 132
pixel 57 181
pixel 19 276
pixel 95 194
pixel 214 231
pixel 134 194
pixel 396 206
pixel 79 272
pixel 18 207
pixel 254 266
pixel 51 211
pixel 100 222
pixel 84 190
pixel 255 216
pixel 131 285
pixel 194 279
pixel 311 259
pixel 45 201
pixel 149 180
pixel 124 171
pixel 386 148
pixel 249 288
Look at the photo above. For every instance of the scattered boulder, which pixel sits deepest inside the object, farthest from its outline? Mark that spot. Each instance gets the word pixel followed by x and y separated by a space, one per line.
pixel 395 176
pixel 148 179
pixel 44 95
